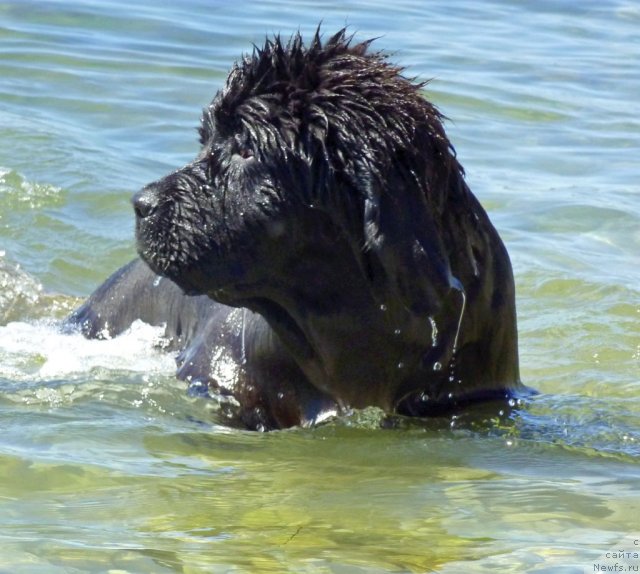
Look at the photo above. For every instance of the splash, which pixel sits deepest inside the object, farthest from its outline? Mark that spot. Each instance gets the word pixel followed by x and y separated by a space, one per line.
pixel 16 192
pixel 18 291
pixel 39 352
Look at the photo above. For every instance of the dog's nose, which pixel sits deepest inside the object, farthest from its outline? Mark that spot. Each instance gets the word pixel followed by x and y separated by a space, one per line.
pixel 145 202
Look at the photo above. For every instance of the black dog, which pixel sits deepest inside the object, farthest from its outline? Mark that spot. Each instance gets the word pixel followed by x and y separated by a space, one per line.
pixel 322 251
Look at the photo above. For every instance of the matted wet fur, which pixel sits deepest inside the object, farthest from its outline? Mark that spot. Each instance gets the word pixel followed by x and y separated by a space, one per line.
pixel 323 251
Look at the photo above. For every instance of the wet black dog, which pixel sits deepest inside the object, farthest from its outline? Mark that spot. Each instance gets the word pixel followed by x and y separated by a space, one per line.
pixel 322 251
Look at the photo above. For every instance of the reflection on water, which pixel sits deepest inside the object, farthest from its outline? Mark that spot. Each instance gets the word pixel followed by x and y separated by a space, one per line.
pixel 107 464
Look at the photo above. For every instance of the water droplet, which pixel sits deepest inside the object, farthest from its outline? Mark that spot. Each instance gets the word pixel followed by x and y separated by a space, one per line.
pixel 400 365
pixel 397 332
pixel 437 366
pixel 424 397
pixel 462 308
pixel 512 402
pixel 281 395
pixel 434 332
pixel 383 307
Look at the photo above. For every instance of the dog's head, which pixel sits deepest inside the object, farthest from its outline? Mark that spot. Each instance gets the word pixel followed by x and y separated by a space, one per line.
pixel 305 144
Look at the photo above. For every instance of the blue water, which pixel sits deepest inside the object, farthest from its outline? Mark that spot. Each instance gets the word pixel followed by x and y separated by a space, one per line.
pixel 106 465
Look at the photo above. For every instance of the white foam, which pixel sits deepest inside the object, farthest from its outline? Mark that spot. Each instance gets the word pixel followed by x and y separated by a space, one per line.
pixel 39 351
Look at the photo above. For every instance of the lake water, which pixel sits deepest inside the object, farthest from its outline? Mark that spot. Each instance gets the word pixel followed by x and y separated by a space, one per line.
pixel 107 465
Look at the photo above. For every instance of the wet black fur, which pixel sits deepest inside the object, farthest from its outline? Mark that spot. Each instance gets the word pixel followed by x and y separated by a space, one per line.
pixel 328 202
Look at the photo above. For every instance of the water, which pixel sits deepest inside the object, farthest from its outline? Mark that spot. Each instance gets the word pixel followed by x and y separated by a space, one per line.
pixel 107 465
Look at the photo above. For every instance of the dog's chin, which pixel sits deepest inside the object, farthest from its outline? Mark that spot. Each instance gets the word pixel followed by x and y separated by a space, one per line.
pixel 192 282
pixel 166 266
pixel 196 272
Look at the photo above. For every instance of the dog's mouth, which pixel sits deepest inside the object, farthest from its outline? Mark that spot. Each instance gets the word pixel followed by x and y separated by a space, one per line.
pixel 163 254
pixel 196 271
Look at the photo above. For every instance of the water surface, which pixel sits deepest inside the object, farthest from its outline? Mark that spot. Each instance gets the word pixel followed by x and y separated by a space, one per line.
pixel 107 465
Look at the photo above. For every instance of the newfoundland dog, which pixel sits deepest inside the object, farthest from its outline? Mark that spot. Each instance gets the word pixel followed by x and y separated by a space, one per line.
pixel 322 252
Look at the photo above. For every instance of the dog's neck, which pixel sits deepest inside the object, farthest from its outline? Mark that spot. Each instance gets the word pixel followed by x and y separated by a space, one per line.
pixel 352 339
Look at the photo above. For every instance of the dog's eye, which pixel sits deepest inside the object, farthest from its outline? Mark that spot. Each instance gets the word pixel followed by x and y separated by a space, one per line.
pixel 242 149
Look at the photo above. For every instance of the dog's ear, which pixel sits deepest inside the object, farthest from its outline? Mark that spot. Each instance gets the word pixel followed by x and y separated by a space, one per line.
pixel 403 241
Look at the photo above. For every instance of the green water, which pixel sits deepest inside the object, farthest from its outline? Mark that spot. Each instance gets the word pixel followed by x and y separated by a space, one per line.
pixel 106 465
